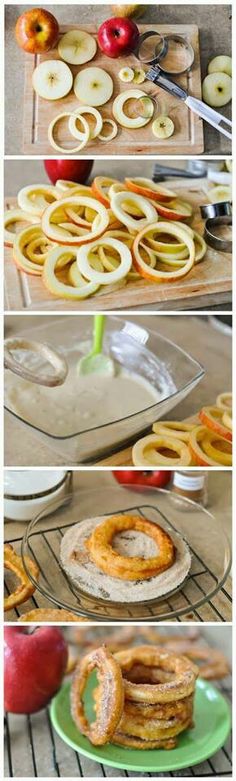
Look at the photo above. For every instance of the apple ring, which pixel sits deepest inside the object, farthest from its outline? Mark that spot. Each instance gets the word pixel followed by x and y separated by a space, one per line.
pixel 196 446
pixel 104 278
pixel 22 240
pixel 183 674
pixel 154 274
pixel 176 210
pixel 101 188
pixel 212 418
pixel 25 589
pixel 57 146
pixel 77 115
pixel 146 452
pixel 224 401
pixel 40 244
pixel 174 429
pixel 149 189
pixel 113 132
pixel 58 288
pixel 50 614
pixel 97 227
pixel 122 118
pixel 33 198
pixel 218 454
pixel 146 208
pixel 111 696
pixel 227 419
pixel 11 217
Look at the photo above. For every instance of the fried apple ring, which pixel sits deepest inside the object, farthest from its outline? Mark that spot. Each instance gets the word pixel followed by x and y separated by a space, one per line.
pixel 132 568
pixel 151 729
pixel 181 685
pixel 25 589
pixel 129 741
pixel 215 664
pixel 49 614
pixel 111 697
pixel 164 711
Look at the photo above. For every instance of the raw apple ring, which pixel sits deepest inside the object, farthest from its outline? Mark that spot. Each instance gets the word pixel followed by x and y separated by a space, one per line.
pixel 220 454
pixel 96 229
pixel 211 417
pixel 195 444
pixel 113 132
pixel 101 188
pixel 155 274
pixel 20 245
pixel 224 401
pixel 146 452
pixel 77 115
pixel 227 419
pixel 36 197
pixel 122 118
pixel 58 288
pixel 104 278
pixel 149 189
pixel 174 429
pixel 13 216
pixel 176 210
pixel 146 208
pixel 63 149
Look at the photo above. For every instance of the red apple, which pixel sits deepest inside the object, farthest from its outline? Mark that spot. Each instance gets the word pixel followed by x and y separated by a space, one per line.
pixel 118 36
pixel 156 478
pixel 71 170
pixel 34 665
pixel 36 31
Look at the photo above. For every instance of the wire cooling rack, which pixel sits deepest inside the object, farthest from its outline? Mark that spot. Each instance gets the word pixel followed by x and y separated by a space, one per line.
pixel 34 750
pixel 201 598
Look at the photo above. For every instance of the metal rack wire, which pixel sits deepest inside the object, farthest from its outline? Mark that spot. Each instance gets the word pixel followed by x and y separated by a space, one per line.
pixel 188 600
pixel 34 750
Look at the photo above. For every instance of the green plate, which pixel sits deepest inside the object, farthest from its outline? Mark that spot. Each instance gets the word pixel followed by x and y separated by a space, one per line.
pixel 212 720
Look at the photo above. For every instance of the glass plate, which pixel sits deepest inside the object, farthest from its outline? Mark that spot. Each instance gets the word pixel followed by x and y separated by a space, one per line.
pixel 196 525
pixel 212 726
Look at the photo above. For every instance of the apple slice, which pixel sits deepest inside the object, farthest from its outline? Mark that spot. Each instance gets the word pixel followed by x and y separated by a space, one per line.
pixel 94 132
pixel 149 189
pixel 52 79
pixel 126 74
pixel 113 132
pixel 56 145
pixel 93 86
pixel 220 193
pixel 12 217
pixel 163 127
pixel 154 274
pixel 34 198
pixel 118 206
pixel 139 76
pixel 77 47
pixel 119 112
pixel 101 188
pixel 176 210
pixel 82 289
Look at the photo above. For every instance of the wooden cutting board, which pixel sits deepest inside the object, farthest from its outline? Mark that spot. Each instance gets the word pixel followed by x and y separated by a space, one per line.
pixel 207 279
pixel 188 136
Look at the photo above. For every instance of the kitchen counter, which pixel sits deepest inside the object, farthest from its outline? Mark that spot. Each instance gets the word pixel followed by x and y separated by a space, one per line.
pixel 214 22
pixel 211 347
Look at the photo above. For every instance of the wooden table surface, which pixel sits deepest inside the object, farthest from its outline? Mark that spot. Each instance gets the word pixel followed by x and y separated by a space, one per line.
pixel 213 20
pixel 33 748
pixel 211 347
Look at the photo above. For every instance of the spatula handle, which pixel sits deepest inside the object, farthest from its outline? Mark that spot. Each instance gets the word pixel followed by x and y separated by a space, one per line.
pixel 99 322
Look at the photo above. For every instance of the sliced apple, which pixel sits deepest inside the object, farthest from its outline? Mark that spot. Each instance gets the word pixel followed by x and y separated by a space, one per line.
pixel 77 47
pixel 56 145
pixel 126 74
pixel 97 228
pixel 176 210
pixel 12 217
pixel 104 277
pixel 220 193
pixel 118 206
pixel 217 89
pixel 156 275
pixel 212 417
pixel 113 132
pixel 58 288
pixel 21 242
pixel 93 86
pixel 149 189
pixel 52 79
pixel 88 110
pixel 139 76
pixel 163 127
pixel 122 118
pixel 34 198
pixel 101 187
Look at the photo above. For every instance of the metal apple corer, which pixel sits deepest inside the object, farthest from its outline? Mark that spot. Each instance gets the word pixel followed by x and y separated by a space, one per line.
pixel 172 55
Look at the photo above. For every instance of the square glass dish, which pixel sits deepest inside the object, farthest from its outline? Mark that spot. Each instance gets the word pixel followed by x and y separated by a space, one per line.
pixel 205 537
pixel 148 354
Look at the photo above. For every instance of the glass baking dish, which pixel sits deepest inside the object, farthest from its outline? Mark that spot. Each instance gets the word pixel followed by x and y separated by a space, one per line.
pixel 145 352
pixel 208 544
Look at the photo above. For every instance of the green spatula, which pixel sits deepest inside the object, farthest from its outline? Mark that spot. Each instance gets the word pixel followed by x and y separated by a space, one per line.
pixel 96 362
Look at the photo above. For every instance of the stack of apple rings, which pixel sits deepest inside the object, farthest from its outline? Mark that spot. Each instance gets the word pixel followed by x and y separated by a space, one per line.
pixel 204 443
pixel 83 239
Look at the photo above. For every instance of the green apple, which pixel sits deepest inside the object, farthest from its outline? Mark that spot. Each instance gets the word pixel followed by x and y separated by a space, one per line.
pixel 221 64
pixel 217 89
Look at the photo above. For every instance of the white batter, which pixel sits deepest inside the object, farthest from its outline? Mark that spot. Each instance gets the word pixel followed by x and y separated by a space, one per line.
pixel 93 581
pixel 82 402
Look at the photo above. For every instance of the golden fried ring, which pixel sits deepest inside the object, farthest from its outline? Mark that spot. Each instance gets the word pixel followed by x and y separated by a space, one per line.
pixel 181 685
pixel 49 614
pixel 215 664
pixel 133 568
pixel 111 698
pixel 164 711
pixel 25 589
pixel 151 730
pixel 128 741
